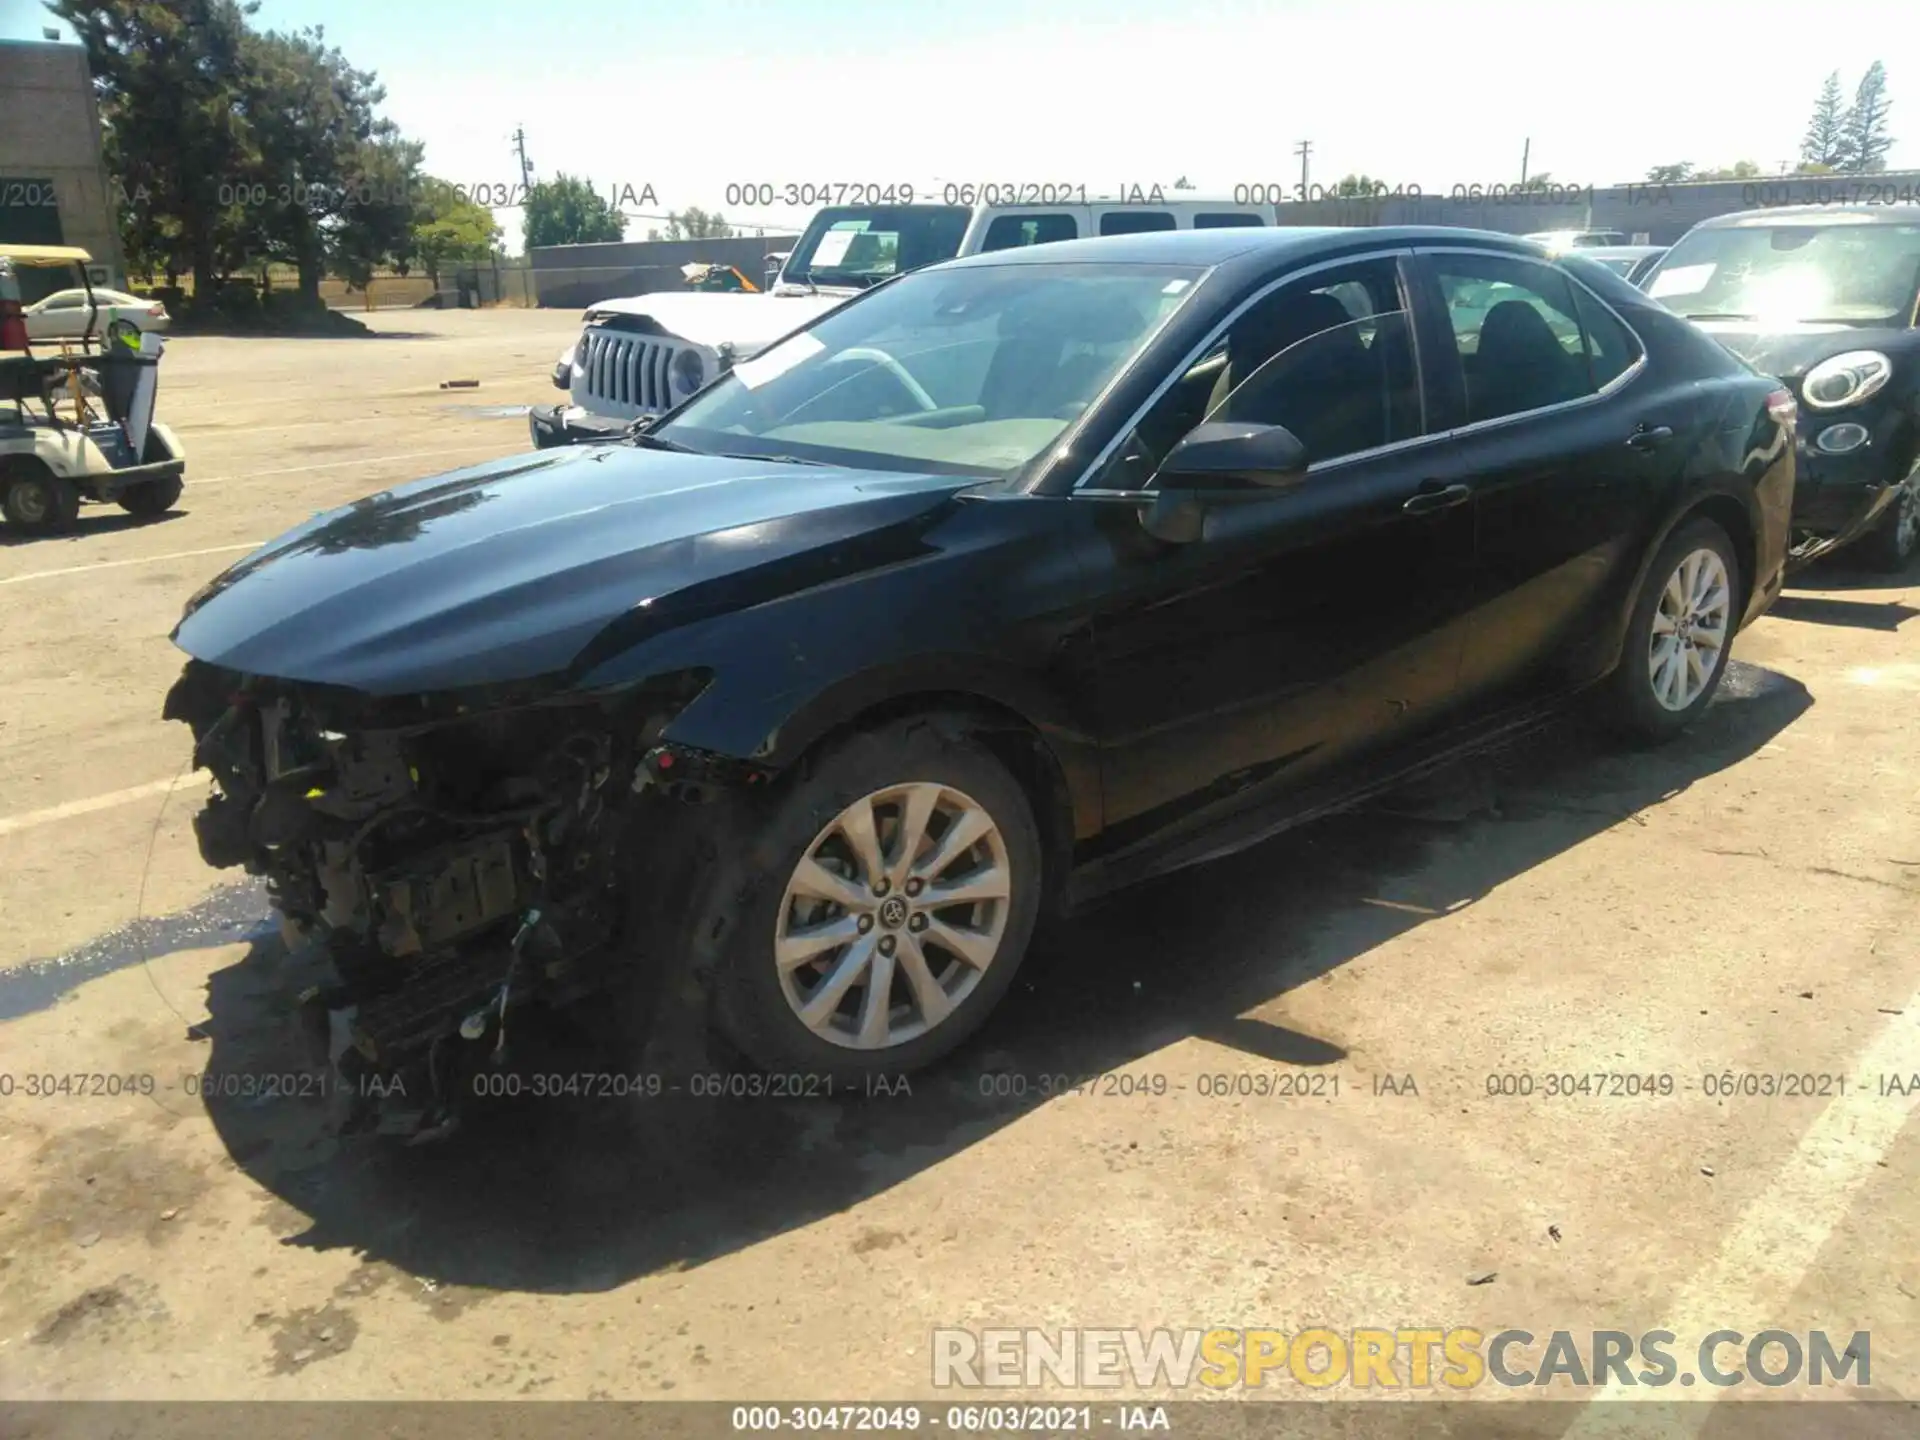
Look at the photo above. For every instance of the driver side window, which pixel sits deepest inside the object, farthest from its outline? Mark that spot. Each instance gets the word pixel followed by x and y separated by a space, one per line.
pixel 1329 357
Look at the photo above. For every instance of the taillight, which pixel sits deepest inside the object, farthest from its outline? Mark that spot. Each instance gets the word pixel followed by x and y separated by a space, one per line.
pixel 13 326
pixel 1783 407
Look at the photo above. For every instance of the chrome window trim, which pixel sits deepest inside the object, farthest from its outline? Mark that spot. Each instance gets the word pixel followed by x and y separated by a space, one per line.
pixel 1194 356
pixel 1607 391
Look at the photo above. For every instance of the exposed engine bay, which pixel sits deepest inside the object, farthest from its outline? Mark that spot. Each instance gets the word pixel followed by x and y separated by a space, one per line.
pixel 457 858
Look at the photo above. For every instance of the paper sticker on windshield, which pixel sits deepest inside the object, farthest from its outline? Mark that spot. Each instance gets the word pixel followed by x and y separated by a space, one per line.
pixel 833 247
pixel 776 362
pixel 1682 280
pixel 1174 287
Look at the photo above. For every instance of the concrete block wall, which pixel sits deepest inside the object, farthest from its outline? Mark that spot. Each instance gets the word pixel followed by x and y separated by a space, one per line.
pixel 50 133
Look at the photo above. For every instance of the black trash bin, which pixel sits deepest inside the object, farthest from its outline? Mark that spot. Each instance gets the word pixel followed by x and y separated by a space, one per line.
pixel 120 369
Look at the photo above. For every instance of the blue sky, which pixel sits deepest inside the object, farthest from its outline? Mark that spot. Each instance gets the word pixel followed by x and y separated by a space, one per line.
pixel 1105 93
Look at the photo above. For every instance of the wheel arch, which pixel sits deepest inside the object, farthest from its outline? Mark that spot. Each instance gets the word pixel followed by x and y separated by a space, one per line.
pixel 1010 713
pixel 1733 512
pixel 1014 738
pixel 23 465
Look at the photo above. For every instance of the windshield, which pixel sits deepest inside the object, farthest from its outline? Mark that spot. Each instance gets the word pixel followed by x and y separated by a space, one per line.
pixel 863 245
pixel 974 371
pixel 1841 274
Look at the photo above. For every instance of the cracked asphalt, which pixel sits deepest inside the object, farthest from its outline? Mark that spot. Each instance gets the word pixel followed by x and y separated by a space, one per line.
pixel 1302 1049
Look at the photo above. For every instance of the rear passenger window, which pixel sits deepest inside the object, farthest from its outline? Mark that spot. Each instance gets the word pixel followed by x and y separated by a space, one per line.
pixel 1219 221
pixel 1135 222
pixel 1010 232
pixel 1517 333
pixel 1611 347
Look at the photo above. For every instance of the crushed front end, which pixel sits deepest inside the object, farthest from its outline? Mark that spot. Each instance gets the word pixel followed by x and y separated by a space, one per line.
pixel 458 858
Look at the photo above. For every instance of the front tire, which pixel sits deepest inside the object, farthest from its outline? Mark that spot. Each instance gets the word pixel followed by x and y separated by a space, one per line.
pixel 1679 637
pixel 886 903
pixel 1891 545
pixel 36 500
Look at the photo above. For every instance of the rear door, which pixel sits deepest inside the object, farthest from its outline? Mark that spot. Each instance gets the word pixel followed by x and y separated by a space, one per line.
pixel 1569 446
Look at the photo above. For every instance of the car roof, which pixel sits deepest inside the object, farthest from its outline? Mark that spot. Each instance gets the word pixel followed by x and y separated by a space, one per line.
pixel 1617 252
pixel 1801 214
pixel 1280 243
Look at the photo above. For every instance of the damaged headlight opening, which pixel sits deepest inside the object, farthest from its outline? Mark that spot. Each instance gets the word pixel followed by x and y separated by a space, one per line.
pixel 454 856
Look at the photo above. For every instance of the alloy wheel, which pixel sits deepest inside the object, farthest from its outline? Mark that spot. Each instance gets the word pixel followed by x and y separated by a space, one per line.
pixel 1690 628
pixel 892 915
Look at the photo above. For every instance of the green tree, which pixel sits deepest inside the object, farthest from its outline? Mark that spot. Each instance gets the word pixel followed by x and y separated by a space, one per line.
pixel 449 229
pixel 569 211
pixel 336 182
pixel 1825 142
pixel 1357 186
pixel 1675 174
pixel 693 223
pixel 166 76
pixel 1865 139
pixel 1739 170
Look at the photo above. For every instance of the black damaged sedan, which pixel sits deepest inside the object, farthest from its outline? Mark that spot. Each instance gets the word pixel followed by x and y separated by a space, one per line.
pixel 1014 580
pixel 1827 297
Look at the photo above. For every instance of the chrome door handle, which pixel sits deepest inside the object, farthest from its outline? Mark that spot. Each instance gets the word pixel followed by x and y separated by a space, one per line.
pixel 1445 498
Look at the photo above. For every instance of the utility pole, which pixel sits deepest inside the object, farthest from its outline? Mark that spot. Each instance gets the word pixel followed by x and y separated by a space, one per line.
pixel 526 165
pixel 1303 150
pixel 1526 154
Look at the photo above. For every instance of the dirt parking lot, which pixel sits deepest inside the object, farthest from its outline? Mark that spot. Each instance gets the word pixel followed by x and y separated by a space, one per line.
pixel 1302 1046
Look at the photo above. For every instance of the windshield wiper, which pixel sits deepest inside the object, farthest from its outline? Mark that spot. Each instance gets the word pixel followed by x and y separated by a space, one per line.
pixel 1714 315
pixel 640 437
pixel 777 459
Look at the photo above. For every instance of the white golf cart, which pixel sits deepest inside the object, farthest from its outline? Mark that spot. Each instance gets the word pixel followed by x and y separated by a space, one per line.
pixel 76 419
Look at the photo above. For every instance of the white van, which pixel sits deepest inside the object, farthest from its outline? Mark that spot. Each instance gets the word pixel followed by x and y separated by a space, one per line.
pixel 643 355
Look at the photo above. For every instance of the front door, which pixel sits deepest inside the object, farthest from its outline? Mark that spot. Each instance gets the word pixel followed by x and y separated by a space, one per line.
pixel 1306 625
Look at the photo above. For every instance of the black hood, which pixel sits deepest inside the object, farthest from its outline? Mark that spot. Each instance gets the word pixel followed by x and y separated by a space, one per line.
pixel 510 571
pixel 1790 351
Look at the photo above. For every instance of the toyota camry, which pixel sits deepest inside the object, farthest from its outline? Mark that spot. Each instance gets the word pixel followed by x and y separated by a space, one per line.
pixel 1011 581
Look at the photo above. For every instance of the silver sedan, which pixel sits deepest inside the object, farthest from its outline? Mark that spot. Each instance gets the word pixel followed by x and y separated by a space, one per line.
pixel 63 315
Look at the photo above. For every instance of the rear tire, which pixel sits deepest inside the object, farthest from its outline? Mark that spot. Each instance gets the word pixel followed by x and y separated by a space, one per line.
pixel 946 964
pixel 1679 637
pixel 36 500
pixel 151 497
pixel 1891 544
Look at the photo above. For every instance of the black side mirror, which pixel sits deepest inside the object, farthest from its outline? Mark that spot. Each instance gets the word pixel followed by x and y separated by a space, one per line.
pixel 1231 454
pixel 1219 463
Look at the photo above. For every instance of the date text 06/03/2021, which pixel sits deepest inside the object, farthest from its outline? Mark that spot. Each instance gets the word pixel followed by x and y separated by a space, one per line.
pixel 989 1419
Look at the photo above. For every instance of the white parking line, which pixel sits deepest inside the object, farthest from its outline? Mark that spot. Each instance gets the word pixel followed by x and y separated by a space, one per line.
pixel 341 464
pixel 137 560
pixel 10 823
pixel 1779 1237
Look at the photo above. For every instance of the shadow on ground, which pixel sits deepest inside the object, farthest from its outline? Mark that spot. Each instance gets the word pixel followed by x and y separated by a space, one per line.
pixel 94 521
pixel 1884 615
pixel 1842 571
pixel 577 1195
